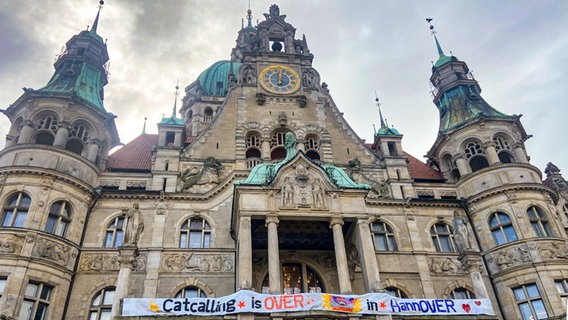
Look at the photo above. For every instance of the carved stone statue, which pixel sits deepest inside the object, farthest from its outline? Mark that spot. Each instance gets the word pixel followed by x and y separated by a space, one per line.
pixel 201 180
pixel 134 226
pixel 249 76
pixel 461 232
pixel 287 193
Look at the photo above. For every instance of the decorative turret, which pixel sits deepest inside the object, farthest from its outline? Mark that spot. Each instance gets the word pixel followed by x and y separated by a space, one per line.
pixel 171 129
pixel 456 92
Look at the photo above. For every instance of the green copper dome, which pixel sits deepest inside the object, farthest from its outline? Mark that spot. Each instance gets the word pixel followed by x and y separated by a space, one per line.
pixel 215 80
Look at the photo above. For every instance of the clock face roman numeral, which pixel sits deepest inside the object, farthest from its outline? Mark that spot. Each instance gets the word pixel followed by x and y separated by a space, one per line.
pixel 279 79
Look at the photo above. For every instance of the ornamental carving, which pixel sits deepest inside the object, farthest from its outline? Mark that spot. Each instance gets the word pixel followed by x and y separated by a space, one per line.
pixel 136 184
pixel 10 243
pixel 309 79
pixel 447 266
pixel 99 262
pixel 176 262
pixel 303 189
pixel 513 256
pixel 56 252
pixel 553 250
pixel 249 75
pixel 201 180
pixel 379 189
pixel 110 183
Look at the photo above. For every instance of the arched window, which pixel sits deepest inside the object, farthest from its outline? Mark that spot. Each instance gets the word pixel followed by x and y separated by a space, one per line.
pixel 297 278
pixel 450 166
pixel 278 152
pixel 442 237
pixel 16 210
pixel 539 222
pixel 502 228
pixel 312 146
pixel 75 146
pixel 461 293
pixel 208 114
pixel 79 131
pixel 253 147
pixel 45 138
pixel 59 218
pixel 503 148
pixel 191 292
pixel 48 123
pixel 476 156
pixel 101 305
pixel 115 232
pixel 195 233
pixel 384 237
pixel 395 292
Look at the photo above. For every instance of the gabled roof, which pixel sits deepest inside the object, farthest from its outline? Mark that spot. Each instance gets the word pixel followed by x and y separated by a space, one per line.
pixel 421 171
pixel 135 156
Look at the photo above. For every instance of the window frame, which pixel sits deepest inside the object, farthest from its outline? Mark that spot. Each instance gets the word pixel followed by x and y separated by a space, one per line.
pixel 61 221
pixel 14 211
pixel 501 228
pixel 186 231
pixel 396 292
pixel 115 230
pixel 101 308
pixel 41 298
pixel 467 294
pixel 539 222
pixel 182 293
pixel 528 300
pixel 386 234
pixel 437 235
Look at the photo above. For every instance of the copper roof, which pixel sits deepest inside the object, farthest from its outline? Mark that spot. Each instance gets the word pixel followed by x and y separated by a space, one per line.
pixel 134 156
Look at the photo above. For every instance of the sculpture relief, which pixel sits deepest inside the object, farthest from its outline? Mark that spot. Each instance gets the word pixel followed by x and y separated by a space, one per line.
pixel 249 75
pixel 445 266
pixel 10 243
pixel 197 262
pixel 303 189
pixel 53 251
pixel 513 256
pixel 554 250
pixel 109 262
pixel 379 189
pixel 134 226
pixel 195 180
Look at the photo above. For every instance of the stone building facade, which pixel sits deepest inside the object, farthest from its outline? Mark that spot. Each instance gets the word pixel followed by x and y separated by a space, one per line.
pixel 262 185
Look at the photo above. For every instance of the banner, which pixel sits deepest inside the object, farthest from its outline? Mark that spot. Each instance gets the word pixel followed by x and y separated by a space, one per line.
pixel 249 301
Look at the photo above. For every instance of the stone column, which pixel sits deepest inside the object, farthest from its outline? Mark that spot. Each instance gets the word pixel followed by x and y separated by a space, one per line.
pixel 273 255
pixel 461 162
pixel 26 133
pixel 367 257
pixel 244 254
pixel 491 153
pixel 61 136
pixel 471 263
pixel 265 149
pixel 520 153
pixel 93 150
pixel 336 224
pixel 301 145
pixel 127 259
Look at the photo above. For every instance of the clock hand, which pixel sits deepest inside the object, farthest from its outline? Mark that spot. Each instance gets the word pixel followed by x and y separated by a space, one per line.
pixel 279 76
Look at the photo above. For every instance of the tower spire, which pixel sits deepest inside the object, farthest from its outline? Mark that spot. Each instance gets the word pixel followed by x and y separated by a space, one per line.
pixel 383 123
pixel 144 127
pixel 174 111
pixel 249 18
pixel 96 23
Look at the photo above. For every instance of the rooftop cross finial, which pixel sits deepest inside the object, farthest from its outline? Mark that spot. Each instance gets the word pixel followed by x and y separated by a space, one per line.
pixel 144 127
pixel 383 124
pixel 249 18
pixel 438 46
pixel 96 23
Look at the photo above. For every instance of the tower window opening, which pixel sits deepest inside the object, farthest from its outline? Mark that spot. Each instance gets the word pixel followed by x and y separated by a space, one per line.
pixel 44 138
pixel 392 148
pixel 75 146
pixel 505 157
pixel 80 132
pixel 278 152
pixel 208 114
pixel 170 138
pixel 276 45
pixel 477 163
pixel 312 146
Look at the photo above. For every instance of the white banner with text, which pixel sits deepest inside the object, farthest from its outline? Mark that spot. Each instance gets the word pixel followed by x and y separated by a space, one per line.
pixel 252 302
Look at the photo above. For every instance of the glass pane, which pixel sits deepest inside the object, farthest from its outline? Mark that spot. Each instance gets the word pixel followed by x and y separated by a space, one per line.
pixel 380 242
pixel 120 222
pixel 96 301
pixel 2 284
pixel 105 315
pixel 31 290
pixel 504 218
pixel 50 224
pixel 25 202
pixel 206 227
pixel 66 212
pixel 109 297
pixel 525 311
pixel 510 232
pixel 14 201
pixel 26 310
pixel 536 229
pixel 195 239
pixel 108 239
pixel 40 312
pixel 183 240
pixel 63 228
pixel 184 226
pixel 539 309
pixel 93 315
pixel 118 239
pixel 460 294
pixel 519 294
pixel 532 291
pixel 7 218
pixel 45 292
pixel 498 236
pixel 196 224
pixel 392 244
pixel 206 240
pixel 55 208
pixel 559 287
pixel 191 293
pixel 445 242
pixel 20 219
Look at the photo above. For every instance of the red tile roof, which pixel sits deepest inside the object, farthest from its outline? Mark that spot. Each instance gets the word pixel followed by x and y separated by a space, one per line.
pixel 134 156
pixel 420 170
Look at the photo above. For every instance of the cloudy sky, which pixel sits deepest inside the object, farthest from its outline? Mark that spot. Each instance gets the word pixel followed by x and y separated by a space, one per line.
pixel 517 50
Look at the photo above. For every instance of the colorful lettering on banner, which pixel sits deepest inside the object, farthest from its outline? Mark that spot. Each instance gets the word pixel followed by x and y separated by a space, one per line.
pixel 252 302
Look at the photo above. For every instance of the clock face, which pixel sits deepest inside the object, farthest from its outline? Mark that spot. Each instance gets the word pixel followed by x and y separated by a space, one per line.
pixel 279 79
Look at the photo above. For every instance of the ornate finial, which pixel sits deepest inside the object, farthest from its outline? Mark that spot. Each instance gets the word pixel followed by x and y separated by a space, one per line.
pixel 174 112
pixel 144 127
pixel 249 18
pixel 96 23
pixel 383 123
pixel 440 51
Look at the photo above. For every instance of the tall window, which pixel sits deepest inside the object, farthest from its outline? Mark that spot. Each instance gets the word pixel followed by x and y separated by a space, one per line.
pixel 297 278
pixel 36 301
pixel 503 148
pixel 539 222
pixel 529 302
pixel 78 136
pixel 253 147
pixel 59 218
pixel 277 145
pixel 476 156
pixel 442 237
pixel 395 292
pixel 384 237
pixel 502 228
pixel 16 210
pixel 3 281
pixel 101 305
pixel 312 146
pixel 115 232
pixel 191 292
pixel 461 293
pixel 562 287
pixel 195 233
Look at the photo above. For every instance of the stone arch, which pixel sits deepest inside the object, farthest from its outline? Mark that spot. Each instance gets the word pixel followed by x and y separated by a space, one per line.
pixel 200 214
pixel 393 283
pixel 87 298
pixel 194 282
pixel 456 284
pixel 315 267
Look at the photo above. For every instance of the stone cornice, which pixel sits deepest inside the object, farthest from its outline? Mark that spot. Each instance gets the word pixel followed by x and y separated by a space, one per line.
pixel 42 172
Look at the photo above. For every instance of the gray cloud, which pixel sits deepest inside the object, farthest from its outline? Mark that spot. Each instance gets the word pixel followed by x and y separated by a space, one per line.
pixel 515 48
